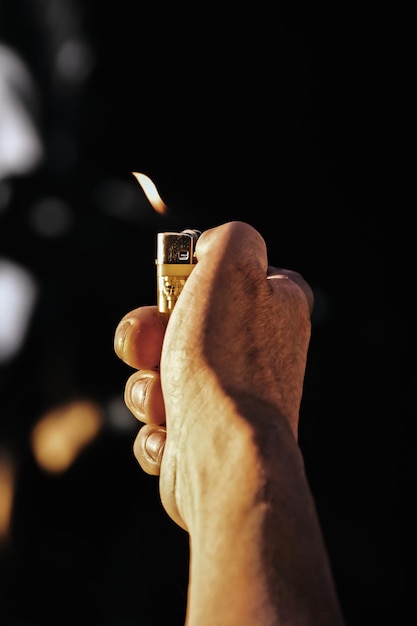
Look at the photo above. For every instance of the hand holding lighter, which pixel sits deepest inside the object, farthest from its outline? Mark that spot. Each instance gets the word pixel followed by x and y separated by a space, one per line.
pixel 175 261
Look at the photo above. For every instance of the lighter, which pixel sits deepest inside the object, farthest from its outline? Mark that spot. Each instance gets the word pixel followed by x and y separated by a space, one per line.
pixel 175 260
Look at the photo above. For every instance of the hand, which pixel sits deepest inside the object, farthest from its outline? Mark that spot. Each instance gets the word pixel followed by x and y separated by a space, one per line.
pixel 238 337
pixel 219 390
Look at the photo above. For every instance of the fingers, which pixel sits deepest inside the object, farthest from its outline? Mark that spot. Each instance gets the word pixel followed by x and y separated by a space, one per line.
pixel 149 447
pixel 275 273
pixel 235 242
pixel 140 334
pixel 243 243
pixel 138 342
pixel 138 338
pixel 143 397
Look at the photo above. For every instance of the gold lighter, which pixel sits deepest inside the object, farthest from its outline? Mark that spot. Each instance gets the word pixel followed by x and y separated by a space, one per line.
pixel 175 260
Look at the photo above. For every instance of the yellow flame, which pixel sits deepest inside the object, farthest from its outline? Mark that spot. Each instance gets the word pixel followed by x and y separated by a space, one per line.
pixel 60 435
pixel 151 192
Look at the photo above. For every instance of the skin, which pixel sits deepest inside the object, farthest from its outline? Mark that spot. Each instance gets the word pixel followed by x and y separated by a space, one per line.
pixel 218 389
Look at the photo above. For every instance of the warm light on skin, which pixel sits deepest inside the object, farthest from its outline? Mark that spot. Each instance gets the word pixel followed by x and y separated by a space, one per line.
pixel 7 484
pixel 60 435
pixel 151 192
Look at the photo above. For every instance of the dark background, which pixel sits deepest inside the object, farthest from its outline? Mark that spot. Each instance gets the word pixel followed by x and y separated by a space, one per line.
pixel 293 118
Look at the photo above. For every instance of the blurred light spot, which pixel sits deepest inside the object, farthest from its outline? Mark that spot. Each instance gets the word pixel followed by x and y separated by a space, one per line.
pixel 51 217
pixel 74 60
pixel 21 148
pixel 7 488
pixel 17 298
pixel 119 417
pixel 60 435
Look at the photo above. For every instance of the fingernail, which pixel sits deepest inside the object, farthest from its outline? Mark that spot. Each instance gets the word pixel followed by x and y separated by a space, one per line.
pixel 155 444
pixel 120 336
pixel 139 391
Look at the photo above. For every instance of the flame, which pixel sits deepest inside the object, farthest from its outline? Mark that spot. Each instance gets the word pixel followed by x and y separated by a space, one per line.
pixel 151 192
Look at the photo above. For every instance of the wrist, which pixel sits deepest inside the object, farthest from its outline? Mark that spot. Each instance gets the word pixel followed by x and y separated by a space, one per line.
pixel 226 465
pixel 226 540
pixel 254 534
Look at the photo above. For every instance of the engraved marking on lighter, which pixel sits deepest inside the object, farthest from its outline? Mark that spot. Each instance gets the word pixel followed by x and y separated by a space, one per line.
pixel 175 260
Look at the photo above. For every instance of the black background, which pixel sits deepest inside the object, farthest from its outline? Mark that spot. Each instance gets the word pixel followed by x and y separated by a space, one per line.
pixel 293 118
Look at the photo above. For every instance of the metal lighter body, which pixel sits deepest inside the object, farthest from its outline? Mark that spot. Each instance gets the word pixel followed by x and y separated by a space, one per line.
pixel 175 260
